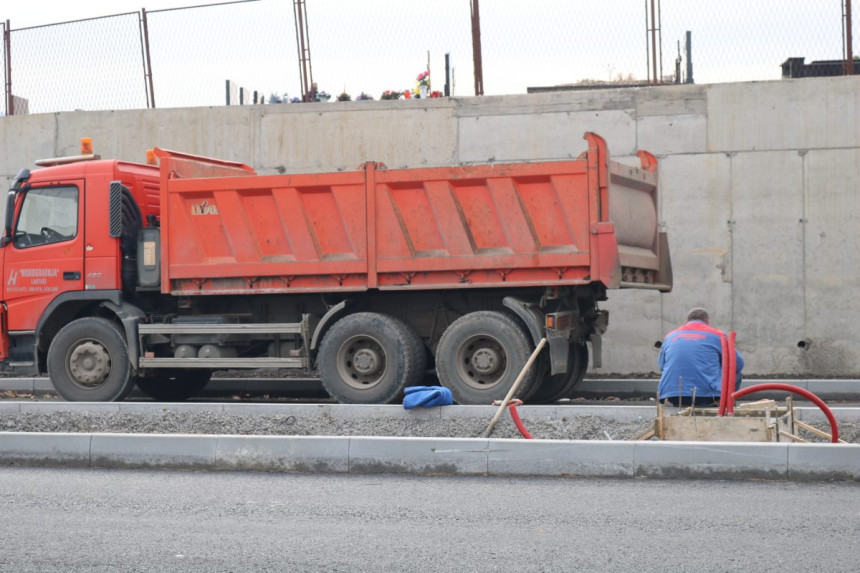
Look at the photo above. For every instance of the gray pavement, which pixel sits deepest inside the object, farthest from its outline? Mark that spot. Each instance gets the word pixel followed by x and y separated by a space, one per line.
pixel 71 520
pixel 423 456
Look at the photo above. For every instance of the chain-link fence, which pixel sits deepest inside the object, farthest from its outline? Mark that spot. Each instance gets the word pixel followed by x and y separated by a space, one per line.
pixel 195 51
pixel 88 64
pixel 3 110
pixel 372 46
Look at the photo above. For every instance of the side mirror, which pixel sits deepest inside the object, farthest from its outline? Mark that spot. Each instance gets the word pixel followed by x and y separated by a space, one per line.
pixel 17 187
pixel 10 213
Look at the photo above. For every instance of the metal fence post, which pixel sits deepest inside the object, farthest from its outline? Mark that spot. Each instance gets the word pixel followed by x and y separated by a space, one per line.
pixel 7 68
pixel 147 61
pixel 849 47
pixel 476 48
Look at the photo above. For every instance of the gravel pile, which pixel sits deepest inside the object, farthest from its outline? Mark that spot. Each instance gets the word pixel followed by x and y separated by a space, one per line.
pixel 579 428
pixel 575 428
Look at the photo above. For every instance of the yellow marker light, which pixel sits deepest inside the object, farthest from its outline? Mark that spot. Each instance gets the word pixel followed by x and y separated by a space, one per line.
pixel 151 159
pixel 86 146
pixel 550 321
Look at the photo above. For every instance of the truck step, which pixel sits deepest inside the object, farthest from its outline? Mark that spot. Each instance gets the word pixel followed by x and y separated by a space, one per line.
pixel 258 328
pixel 221 363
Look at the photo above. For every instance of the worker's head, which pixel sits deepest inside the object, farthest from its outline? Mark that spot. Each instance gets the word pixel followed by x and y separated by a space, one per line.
pixel 698 314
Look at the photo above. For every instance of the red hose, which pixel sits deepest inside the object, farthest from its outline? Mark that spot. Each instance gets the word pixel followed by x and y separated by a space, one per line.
pixel 834 429
pixel 512 406
pixel 732 375
pixel 724 388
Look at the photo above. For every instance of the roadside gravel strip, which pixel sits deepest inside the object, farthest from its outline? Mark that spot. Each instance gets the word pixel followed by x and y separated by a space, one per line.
pixel 574 440
pixel 826 389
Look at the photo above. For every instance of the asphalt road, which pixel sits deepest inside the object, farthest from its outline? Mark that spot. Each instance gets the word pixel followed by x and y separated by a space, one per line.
pixel 116 521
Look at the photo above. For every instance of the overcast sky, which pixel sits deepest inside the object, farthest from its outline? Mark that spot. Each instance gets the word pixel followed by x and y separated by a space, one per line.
pixel 374 45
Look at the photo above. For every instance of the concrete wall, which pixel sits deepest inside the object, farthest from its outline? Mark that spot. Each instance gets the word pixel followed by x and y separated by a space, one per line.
pixel 759 182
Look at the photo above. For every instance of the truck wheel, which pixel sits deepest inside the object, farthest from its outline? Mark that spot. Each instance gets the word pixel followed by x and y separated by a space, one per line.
pixel 367 358
pixel 480 356
pixel 561 385
pixel 174 385
pixel 88 361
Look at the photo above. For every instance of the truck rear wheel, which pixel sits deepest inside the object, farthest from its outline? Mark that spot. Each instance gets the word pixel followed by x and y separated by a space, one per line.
pixel 174 385
pixel 88 361
pixel 367 358
pixel 559 386
pixel 480 356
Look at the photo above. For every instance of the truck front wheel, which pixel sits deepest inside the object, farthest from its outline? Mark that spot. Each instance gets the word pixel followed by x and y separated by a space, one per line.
pixel 367 358
pixel 88 361
pixel 480 356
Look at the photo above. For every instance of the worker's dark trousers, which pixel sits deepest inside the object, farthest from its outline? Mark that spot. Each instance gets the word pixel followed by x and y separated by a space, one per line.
pixel 701 401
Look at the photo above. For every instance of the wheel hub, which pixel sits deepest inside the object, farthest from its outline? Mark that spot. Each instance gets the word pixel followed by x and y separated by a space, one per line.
pixel 482 362
pixel 366 361
pixel 89 364
pixel 361 362
pixel 485 361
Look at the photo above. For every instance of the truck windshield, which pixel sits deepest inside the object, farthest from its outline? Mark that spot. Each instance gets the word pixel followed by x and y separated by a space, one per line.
pixel 48 215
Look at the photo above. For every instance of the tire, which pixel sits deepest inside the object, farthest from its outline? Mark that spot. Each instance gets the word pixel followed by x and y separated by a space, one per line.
pixel 558 386
pixel 389 356
pixel 88 361
pixel 480 355
pixel 174 385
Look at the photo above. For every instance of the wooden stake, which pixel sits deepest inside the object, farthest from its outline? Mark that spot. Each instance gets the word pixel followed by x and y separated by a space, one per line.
pixel 513 389
pixel 816 431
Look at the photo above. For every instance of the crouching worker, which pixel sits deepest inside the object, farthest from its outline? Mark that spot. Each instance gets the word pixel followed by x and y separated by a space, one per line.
pixel 691 359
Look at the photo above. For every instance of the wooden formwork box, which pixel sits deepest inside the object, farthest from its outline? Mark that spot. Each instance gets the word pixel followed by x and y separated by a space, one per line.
pixel 762 421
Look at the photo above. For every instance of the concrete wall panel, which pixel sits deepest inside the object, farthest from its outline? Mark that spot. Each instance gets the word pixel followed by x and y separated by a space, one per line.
pixel 669 134
pixel 832 259
pixel 635 327
pixel 767 259
pixel 24 139
pixel 398 134
pixel 216 132
pixel 672 100
pixel 696 208
pixel 788 114
pixel 523 137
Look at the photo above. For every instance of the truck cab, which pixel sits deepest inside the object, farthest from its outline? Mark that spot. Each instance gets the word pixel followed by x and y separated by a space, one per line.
pixel 69 237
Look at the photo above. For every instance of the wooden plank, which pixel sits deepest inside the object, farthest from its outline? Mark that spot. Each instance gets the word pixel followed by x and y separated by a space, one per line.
pixel 717 429
pixel 646 434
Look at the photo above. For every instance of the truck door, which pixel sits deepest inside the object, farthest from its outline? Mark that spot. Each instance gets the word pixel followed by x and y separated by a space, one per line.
pixel 45 257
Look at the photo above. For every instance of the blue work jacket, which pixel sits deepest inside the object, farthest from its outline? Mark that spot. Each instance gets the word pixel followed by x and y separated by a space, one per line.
pixel 691 357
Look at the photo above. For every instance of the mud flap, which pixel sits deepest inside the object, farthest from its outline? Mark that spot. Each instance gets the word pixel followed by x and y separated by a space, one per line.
pixel 596 350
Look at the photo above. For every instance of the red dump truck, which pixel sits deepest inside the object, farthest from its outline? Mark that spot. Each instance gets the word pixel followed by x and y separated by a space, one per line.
pixel 118 274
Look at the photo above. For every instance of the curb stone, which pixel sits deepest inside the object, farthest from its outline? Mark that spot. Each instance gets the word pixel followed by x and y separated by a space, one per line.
pixel 436 456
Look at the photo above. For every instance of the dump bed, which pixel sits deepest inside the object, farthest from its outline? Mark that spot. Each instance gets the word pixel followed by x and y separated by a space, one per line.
pixel 226 230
